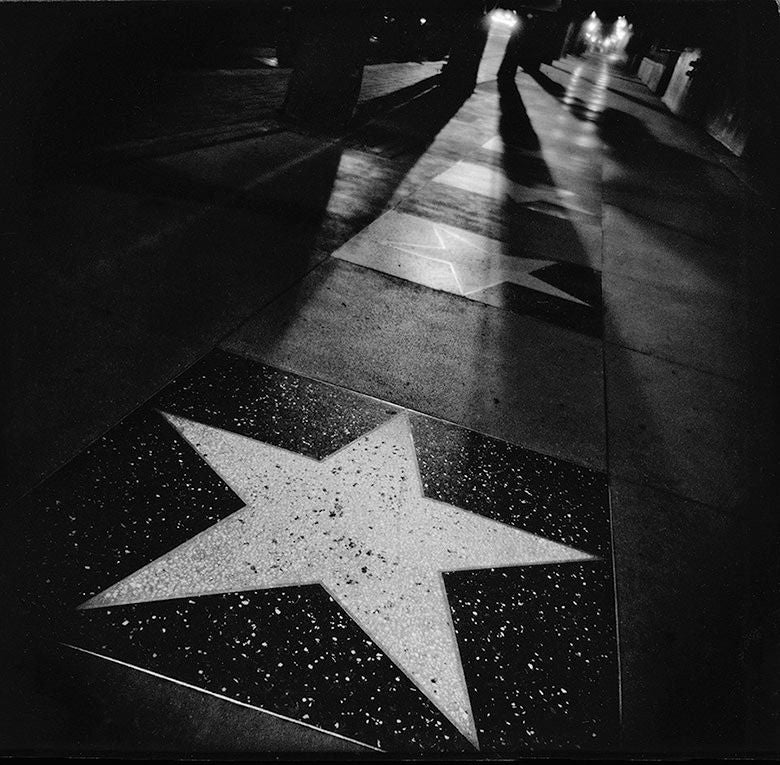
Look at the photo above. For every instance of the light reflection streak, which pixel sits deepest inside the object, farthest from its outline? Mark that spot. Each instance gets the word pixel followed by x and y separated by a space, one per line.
pixel 587 101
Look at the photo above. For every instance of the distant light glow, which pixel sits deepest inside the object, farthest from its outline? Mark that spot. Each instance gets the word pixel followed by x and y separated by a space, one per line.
pixel 504 17
pixel 592 28
pixel 611 39
pixel 422 21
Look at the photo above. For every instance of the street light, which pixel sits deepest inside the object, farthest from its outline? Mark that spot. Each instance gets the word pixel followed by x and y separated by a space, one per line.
pixel 504 17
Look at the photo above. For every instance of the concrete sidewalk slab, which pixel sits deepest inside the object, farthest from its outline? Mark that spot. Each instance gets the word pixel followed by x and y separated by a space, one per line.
pixel 674 428
pixel 500 374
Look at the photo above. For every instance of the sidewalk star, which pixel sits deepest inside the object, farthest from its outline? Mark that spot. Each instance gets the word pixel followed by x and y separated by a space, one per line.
pixel 445 258
pixel 478 267
pixel 490 182
pixel 358 524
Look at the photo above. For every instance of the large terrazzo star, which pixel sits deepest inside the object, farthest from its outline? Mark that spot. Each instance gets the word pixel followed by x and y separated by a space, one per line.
pixel 356 523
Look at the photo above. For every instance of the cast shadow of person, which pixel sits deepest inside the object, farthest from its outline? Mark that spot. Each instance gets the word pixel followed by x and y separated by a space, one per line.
pixel 514 125
pixel 529 228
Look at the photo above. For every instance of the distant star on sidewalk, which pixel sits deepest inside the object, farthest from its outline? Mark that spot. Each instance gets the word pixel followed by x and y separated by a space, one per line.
pixel 479 266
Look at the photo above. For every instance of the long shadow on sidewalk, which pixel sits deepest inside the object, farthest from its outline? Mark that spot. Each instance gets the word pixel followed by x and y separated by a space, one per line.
pixel 664 422
pixel 125 275
pixel 164 258
pixel 661 681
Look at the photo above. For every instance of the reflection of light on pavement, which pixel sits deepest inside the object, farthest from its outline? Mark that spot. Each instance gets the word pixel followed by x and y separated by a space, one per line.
pixel 590 101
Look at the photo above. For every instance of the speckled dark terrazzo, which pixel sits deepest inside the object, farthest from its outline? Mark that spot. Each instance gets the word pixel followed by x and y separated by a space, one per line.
pixel 278 408
pixel 143 490
pixel 292 651
pixel 548 497
pixel 539 655
pixel 130 497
